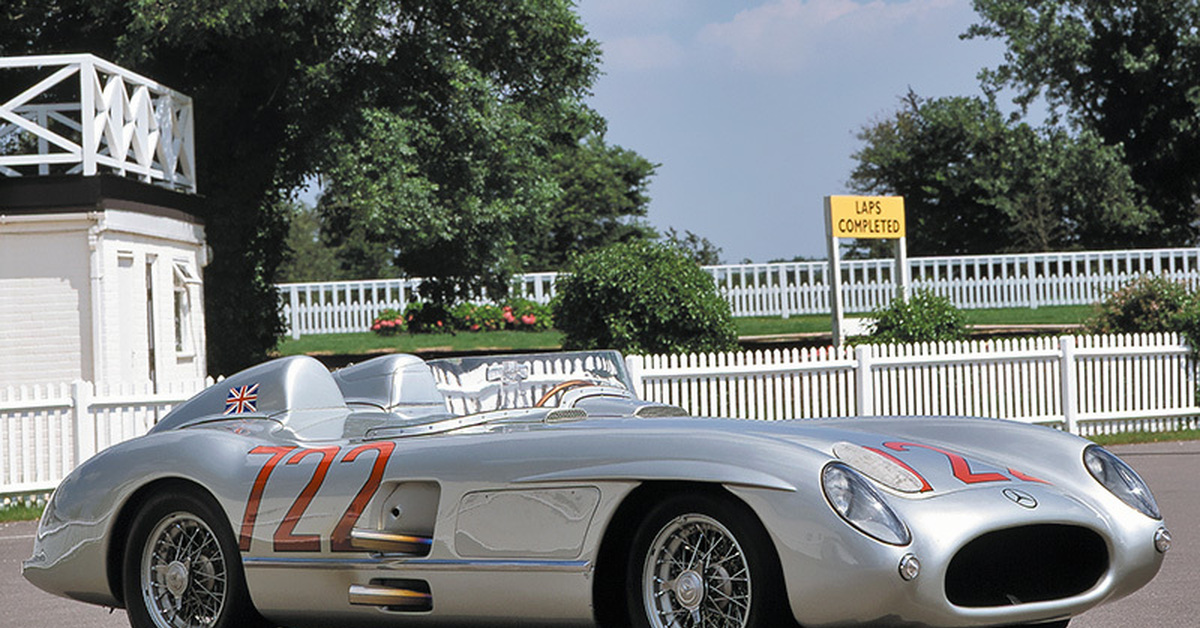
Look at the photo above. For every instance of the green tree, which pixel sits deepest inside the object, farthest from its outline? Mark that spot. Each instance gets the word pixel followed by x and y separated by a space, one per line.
pixel 700 249
pixel 604 194
pixel 976 182
pixel 277 83
pixel 1124 69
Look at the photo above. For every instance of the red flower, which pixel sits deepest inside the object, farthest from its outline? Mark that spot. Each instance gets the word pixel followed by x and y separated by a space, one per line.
pixel 508 315
pixel 529 319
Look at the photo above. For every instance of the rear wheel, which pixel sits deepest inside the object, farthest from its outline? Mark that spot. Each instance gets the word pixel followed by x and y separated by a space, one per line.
pixel 703 561
pixel 182 568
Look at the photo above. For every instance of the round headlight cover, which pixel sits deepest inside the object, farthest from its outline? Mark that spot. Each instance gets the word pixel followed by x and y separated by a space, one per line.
pixel 1121 480
pixel 855 500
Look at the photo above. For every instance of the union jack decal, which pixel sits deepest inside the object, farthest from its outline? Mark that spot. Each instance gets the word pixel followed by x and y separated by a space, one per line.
pixel 241 399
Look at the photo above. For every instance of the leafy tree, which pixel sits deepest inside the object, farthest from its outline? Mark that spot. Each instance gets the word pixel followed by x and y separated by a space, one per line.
pixel 277 83
pixel 976 182
pixel 1124 69
pixel 641 297
pixel 604 192
pixel 700 249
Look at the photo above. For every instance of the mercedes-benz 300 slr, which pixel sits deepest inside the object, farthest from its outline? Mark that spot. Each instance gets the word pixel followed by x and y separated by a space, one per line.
pixel 539 490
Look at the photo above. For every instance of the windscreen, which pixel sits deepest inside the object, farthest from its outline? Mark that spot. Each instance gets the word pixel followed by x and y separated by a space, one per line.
pixel 498 382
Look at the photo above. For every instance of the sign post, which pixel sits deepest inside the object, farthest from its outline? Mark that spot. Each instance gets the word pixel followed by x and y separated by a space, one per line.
pixel 870 217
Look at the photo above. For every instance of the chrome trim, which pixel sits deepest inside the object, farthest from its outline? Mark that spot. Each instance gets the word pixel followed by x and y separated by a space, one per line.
pixel 407 564
pixel 376 595
pixel 387 542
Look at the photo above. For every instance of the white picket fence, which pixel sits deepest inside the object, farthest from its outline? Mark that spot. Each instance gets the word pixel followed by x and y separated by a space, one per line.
pixel 1087 384
pixel 790 288
pixel 46 430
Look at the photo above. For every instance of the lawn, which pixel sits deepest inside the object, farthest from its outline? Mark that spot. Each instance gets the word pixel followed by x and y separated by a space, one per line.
pixel 366 343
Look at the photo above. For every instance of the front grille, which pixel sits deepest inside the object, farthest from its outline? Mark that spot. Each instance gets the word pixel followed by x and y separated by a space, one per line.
pixel 1028 564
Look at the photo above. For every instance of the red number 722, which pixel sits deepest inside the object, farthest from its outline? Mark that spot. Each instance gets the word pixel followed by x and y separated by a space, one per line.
pixel 285 540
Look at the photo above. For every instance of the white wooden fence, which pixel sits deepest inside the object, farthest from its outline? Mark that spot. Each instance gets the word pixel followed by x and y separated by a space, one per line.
pixel 45 431
pixel 784 289
pixel 1087 384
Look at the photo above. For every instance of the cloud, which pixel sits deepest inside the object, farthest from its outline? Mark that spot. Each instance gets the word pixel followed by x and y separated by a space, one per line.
pixel 783 36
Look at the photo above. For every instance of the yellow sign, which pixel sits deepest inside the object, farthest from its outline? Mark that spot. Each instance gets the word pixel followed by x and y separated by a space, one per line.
pixel 867 216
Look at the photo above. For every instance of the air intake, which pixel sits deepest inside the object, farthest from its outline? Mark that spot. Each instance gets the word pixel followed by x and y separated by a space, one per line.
pixel 1028 564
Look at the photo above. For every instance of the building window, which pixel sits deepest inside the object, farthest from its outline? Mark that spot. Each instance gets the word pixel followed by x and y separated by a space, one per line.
pixel 185 280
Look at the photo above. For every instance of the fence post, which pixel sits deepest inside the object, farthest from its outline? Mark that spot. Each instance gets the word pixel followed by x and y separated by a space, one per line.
pixel 1070 408
pixel 865 380
pixel 81 421
pixel 1030 282
pixel 294 314
pixel 633 364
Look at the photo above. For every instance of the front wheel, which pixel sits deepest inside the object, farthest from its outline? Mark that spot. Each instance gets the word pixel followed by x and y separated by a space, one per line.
pixel 182 568
pixel 703 561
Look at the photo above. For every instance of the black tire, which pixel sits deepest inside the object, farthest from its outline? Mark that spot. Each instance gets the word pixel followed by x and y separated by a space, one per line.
pixel 182 567
pixel 728 574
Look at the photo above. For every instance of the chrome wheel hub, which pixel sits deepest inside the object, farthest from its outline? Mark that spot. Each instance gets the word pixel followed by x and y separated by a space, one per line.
pixel 696 576
pixel 689 590
pixel 176 578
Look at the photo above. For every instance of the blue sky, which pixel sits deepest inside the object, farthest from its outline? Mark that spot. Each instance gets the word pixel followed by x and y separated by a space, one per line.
pixel 751 106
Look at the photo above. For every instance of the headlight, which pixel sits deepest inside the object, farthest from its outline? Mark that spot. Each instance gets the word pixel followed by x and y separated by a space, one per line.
pixel 1120 479
pixel 853 497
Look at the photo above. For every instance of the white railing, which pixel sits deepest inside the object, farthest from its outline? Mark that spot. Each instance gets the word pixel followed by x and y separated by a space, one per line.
pixel 79 114
pixel 1086 385
pixel 784 289
pixel 45 431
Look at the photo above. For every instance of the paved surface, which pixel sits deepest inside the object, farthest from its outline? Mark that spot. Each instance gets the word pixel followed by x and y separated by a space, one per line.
pixel 1172 469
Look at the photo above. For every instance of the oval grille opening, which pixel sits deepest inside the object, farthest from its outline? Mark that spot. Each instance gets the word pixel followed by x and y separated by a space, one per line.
pixel 1027 564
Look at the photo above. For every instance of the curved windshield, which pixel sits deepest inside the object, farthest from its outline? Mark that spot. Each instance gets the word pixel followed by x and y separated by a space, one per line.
pixel 497 382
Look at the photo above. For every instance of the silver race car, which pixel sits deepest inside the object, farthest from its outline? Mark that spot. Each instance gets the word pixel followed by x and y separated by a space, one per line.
pixel 539 490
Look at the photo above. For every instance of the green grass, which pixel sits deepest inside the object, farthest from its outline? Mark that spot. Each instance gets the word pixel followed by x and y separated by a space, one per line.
pixel 365 343
pixel 1131 438
pixel 20 512
pixel 1055 315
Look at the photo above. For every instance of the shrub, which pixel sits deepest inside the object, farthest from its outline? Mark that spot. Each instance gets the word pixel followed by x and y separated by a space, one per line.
pixel 526 315
pixel 427 318
pixel 923 317
pixel 1144 305
pixel 641 297
pixel 473 317
pixel 515 314
pixel 389 323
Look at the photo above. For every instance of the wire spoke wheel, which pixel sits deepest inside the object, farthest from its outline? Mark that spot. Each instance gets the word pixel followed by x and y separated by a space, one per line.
pixel 184 576
pixel 696 576
pixel 181 567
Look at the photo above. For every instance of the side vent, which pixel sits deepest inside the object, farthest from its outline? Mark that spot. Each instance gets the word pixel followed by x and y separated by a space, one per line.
pixel 565 415
pixel 405 596
pixel 657 411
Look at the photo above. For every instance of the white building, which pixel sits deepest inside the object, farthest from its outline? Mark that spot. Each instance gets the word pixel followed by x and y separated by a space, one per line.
pixel 101 252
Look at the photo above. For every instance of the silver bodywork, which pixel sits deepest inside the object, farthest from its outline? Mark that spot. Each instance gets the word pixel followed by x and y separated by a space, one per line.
pixel 441 479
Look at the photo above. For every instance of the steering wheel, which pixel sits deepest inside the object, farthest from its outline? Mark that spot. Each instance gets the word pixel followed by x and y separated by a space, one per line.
pixel 561 387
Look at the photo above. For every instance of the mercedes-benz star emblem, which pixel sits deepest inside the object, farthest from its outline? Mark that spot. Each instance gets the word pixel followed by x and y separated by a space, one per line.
pixel 1020 498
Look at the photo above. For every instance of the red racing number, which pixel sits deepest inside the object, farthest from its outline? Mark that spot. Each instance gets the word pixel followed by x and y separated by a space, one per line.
pixel 285 539
pixel 960 467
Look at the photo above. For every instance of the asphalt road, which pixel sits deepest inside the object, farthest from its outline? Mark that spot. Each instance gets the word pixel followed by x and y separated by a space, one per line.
pixel 1171 469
